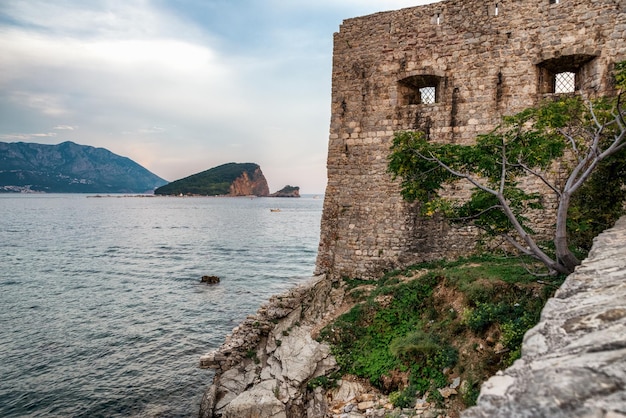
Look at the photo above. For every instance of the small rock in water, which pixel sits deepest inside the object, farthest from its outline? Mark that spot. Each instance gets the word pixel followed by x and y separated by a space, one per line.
pixel 210 279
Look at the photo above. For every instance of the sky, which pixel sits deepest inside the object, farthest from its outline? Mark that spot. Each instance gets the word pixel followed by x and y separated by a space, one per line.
pixel 179 86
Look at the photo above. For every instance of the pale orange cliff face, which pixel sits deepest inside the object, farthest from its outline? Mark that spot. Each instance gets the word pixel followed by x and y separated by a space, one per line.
pixel 246 186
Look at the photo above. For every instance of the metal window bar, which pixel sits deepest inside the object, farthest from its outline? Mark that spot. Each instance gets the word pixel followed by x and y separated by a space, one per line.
pixel 427 95
pixel 565 83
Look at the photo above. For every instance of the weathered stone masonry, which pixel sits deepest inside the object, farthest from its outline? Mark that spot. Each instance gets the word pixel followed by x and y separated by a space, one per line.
pixel 451 69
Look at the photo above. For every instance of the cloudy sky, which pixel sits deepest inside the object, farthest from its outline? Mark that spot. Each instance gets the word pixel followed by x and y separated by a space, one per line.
pixel 178 86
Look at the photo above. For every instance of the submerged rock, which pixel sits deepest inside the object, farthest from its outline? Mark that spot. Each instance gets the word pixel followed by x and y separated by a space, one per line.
pixel 210 279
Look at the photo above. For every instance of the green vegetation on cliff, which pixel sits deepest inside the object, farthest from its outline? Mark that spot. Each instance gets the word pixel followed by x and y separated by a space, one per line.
pixel 213 182
pixel 412 332
pixel 287 191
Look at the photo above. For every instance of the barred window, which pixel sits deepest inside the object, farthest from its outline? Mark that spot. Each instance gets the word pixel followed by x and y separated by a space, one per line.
pixel 565 82
pixel 564 74
pixel 428 94
pixel 420 89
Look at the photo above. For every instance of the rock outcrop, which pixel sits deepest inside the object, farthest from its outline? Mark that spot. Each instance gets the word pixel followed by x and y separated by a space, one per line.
pixel 253 184
pixel 287 191
pixel 231 179
pixel 265 364
pixel 573 362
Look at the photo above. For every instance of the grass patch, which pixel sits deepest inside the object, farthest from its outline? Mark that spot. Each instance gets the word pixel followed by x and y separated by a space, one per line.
pixel 464 318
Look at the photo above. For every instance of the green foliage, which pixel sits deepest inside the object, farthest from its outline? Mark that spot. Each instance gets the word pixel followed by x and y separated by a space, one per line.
pixel 212 182
pixel 404 398
pixel 620 75
pixel 598 203
pixel 362 336
pixel 514 329
pixel 402 327
pixel 422 167
pixel 416 344
pixel 326 382
pixel 470 395
pixel 583 137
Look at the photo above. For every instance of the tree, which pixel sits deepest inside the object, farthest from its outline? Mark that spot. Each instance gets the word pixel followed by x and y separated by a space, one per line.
pixel 560 143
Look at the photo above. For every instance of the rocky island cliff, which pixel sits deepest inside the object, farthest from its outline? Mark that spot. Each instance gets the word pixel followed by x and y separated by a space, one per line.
pixel 231 179
pixel 287 191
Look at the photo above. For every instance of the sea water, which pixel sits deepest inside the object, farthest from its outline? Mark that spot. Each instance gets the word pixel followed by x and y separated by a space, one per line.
pixel 102 312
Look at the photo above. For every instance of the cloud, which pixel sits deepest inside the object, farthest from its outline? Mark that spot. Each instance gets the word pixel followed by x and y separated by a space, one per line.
pixel 179 86
pixel 26 137
pixel 65 128
pixel 46 103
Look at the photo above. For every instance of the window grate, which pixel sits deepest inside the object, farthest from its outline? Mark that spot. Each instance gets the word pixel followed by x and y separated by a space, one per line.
pixel 565 83
pixel 427 95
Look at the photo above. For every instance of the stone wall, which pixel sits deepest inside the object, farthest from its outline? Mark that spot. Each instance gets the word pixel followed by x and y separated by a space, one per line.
pixel 574 361
pixel 481 60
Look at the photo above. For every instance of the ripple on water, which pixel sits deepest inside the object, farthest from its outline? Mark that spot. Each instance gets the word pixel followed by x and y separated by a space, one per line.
pixel 102 310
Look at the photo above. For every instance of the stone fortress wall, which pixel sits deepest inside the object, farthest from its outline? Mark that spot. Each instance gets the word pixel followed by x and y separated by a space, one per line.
pixel 450 69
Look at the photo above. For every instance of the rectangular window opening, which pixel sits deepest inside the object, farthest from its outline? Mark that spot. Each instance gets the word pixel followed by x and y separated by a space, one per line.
pixel 496 10
pixel 565 82
pixel 428 95
pixel 554 1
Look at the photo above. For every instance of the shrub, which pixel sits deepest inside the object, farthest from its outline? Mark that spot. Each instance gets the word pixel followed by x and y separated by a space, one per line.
pixel 416 344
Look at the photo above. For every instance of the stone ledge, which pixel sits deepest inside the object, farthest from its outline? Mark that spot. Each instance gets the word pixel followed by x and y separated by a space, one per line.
pixel 574 361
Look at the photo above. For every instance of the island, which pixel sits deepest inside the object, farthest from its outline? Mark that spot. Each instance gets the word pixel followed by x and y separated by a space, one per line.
pixel 230 179
pixel 287 191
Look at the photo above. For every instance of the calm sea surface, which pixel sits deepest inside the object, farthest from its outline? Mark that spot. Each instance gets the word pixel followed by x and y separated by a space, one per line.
pixel 101 309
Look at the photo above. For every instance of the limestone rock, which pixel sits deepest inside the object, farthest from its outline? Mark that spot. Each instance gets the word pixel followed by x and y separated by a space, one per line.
pixel 285 358
pixel 250 185
pixel 258 402
pixel 574 361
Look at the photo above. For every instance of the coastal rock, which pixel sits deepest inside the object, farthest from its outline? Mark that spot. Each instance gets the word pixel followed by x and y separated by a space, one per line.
pixel 574 361
pixel 253 184
pixel 260 401
pixel 287 191
pixel 210 279
pixel 267 361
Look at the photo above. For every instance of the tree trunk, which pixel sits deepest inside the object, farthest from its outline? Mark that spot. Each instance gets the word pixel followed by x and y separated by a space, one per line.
pixel 553 265
pixel 563 254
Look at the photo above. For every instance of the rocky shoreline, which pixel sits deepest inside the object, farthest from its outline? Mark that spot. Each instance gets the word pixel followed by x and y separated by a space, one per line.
pixel 265 364
pixel 573 362
pixel 272 366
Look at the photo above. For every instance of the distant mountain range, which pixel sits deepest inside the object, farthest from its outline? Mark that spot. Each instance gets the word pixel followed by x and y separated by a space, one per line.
pixel 70 168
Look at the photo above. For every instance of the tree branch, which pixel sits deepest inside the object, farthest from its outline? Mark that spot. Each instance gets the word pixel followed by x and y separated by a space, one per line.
pixel 572 142
pixel 478 215
pixel 541 177
pixel 518 246
pixel 503 172
pixel 457 173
